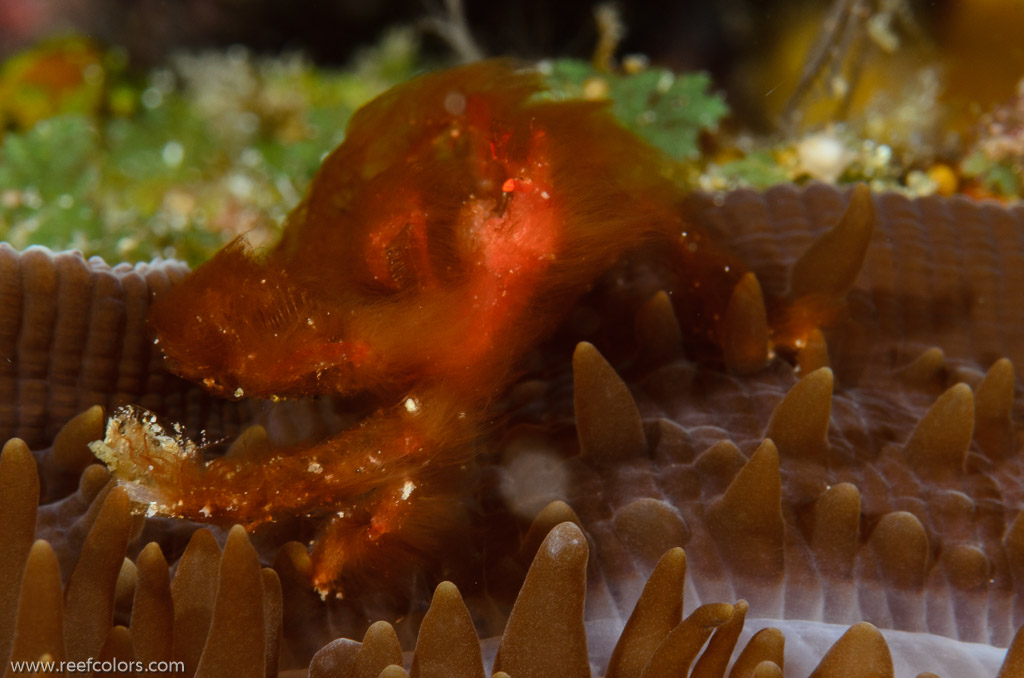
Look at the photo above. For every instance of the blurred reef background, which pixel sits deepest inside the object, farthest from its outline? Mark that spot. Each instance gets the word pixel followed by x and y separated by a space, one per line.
pixel 134 129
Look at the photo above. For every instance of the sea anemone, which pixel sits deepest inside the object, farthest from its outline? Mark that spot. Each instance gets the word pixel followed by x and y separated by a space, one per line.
pixel 876 484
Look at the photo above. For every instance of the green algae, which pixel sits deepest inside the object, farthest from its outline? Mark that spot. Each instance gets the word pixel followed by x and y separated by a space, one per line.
pixel 669 110
pixel 177 161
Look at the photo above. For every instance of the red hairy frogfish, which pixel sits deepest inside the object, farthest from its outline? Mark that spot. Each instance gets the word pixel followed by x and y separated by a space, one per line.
pixel 437 244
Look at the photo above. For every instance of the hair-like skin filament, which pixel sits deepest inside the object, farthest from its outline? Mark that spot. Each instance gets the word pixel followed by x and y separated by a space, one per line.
pixel 443 239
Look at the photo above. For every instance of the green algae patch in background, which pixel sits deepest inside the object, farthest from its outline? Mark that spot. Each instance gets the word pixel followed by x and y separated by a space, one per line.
pixel 176 161
pixel 668 110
